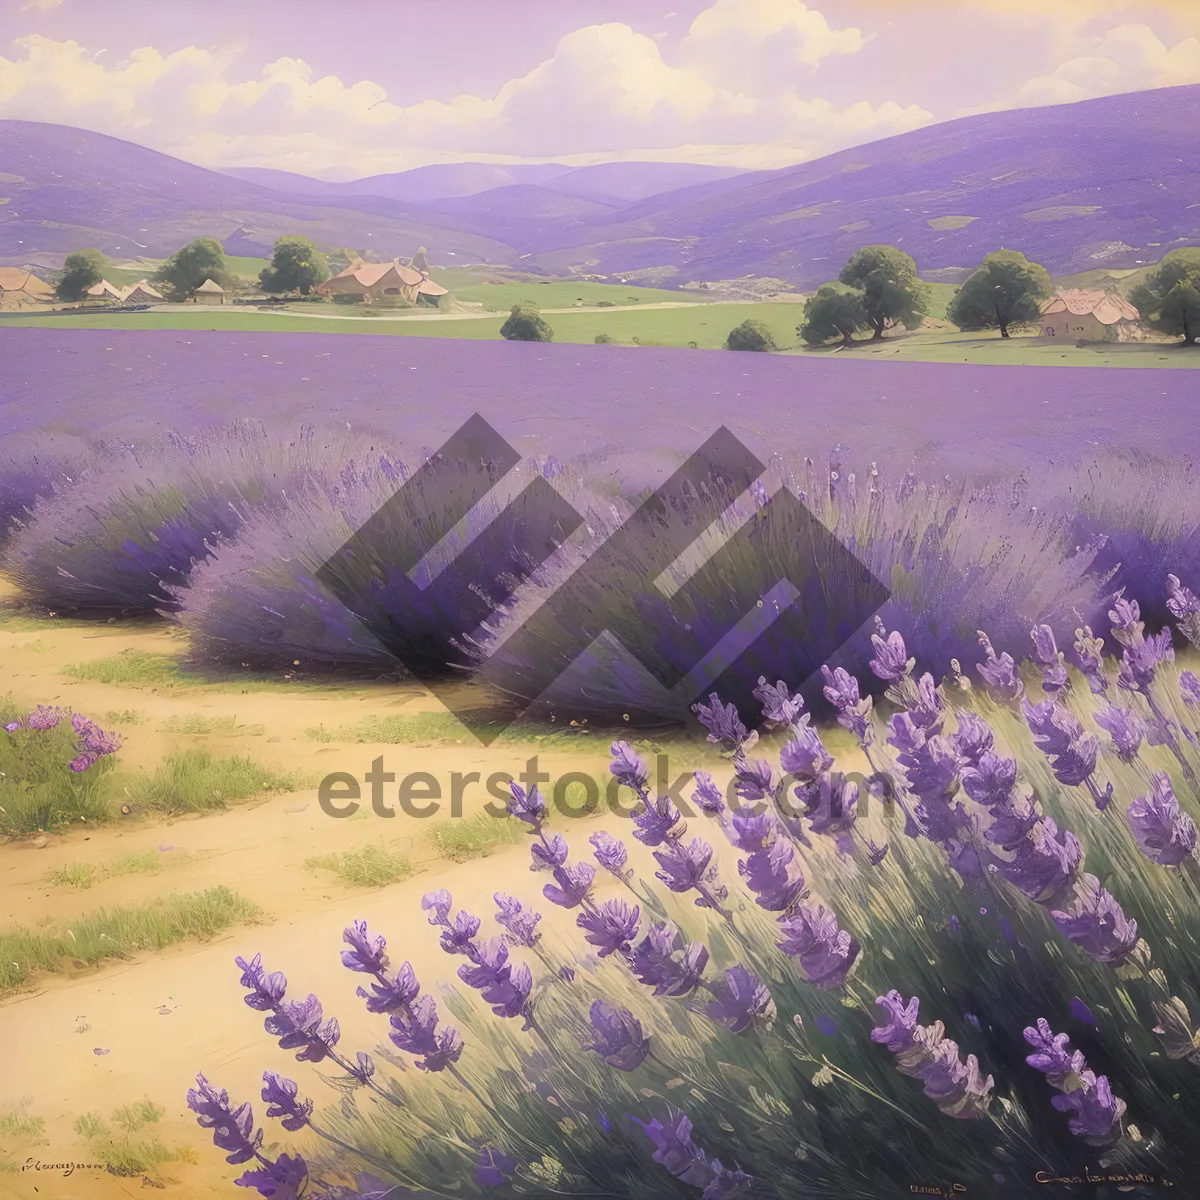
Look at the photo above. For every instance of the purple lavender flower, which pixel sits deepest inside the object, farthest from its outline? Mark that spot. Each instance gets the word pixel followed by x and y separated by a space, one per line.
pixel 1071 752
pixel 282 1101
pixel 458 935
pixel 1165 834
pixel 708 798
pixel 1189 688
pixel 676 1151
pixel 1089 651
pixel 494 1168
pixel 1184 606
pixel 805 755
pixel 664 961
pixel 504 986
pixel 284 1179
pixel 973 737
pixel 549 854
pixel 739 1001
pixel 520 924
pixel 831 804
pixel 689 867
pixel 853 711
pixel 1126 618
pixel 751 831
pixel 657 820
pixel 91 739
pixel 999 672
pixel 233 1128
pixel 572 884
pixel 1125 728
pixel 824 953
pixel 441 903
pixel 924 1052
pixel 611 927
pixel 779 706
pixel 724 726
pixel 774 876
pixel 12 727
pixel 297 1024
pixel 1141 660
pixel 617 1036
pixel 1054 668
pixel 363 1068
pixel 891 662
pixel 628 767
pixel 610 853
pixel 1095 1112
pixel 367 954
pixel 1096 923
pixel 415 1031
pixel 527 806
pixel 754 778
pixel 46 717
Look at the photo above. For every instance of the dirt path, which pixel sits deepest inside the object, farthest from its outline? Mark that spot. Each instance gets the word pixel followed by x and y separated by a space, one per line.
pixel 377 315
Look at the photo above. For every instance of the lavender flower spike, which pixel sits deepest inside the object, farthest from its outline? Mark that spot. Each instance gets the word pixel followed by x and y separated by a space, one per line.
pixel 854 711
pixel 1189 688
pixel 628 767
pixel 617 1036
pixel 1070 751
pixel 520 924
pixel 611 854
pixel 999 672
pixel 1165 834
pixel 722 722
pixel 1096 923
pixel 1125 728
pixel 1089 650
pixel 611 927
pixel 280 1096
pixel 676 1151
pixel 779 706
pixel 1184 606
pixel 527 806
pixel 572 884
pixel 739 1001
pixel 233 1128
pixel 1095 1112
pixel 707 797
pixel 924 1052
pixel 823 953
pixel 663 961
pixel 891 662
pixel 415 1031
pixel 1054 668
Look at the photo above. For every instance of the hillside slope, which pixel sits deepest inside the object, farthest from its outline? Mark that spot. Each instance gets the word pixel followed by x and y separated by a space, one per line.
pixel 1109 182
pixel 64 188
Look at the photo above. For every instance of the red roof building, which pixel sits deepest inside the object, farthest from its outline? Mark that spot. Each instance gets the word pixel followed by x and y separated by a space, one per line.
pixel 382 283
pixel 1089 315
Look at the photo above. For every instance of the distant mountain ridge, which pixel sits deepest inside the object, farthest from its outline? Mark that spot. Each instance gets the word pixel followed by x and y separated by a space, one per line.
pixel 1113 182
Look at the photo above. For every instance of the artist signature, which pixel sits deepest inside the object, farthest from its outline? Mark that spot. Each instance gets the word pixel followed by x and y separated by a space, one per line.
pixel 1097 1178
pixel 64 1168
pixel 947 1193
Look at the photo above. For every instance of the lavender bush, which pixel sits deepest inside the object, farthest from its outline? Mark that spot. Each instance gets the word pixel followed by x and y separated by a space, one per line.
pixel 760 1033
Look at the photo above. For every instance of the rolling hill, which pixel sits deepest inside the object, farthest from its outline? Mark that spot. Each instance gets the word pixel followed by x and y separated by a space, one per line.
pixel 1109 182
pixel 63 188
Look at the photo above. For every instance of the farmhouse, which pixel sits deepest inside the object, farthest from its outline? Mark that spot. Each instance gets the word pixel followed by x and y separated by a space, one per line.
pixel 209 292
pixel 382 283
pixel 140 293
pixel 102 293
pixel 1089 315
pixel 20 288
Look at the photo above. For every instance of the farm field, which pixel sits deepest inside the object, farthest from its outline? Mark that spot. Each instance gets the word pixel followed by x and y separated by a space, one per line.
pixel 499 290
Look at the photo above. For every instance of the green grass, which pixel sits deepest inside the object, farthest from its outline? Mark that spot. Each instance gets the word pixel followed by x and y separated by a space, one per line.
pixel 86 875
pixel 369 866
pixel 123 1154
pixel 117 932
pixel 194 724
pixel 123 716
pixel 419 727
pixel 17 1123
pixel 464 839
pixel 940 295
pixel 132 668
pixel 199 781
pixel 500 291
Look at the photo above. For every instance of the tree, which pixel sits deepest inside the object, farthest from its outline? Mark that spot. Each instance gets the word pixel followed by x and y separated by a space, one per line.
pixel 604 339
pixel 186 269
pixel 296 266
pixel 892 292
pixel 750 335
pixel 81 270
pixel 1169 298
pixel 1007 289
pixel 525 324
pixel 834 311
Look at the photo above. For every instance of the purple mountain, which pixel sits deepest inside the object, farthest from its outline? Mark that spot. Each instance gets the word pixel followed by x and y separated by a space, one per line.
pixel 66 188
pixel 1110 182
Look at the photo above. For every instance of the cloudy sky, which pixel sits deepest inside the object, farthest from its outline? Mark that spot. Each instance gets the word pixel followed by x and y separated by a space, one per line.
pixel 358 87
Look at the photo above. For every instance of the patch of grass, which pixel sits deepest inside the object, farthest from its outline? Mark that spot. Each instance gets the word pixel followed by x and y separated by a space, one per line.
pixel 460 840
pixel 90 1125
pixel 199 781
pixel 117 932
pixel 418 727
pixel 86 875
pixel 199 724
pixel 17 1123
pixel 368 866
pixel 123 716
pixel 132 668
pixel 131 1117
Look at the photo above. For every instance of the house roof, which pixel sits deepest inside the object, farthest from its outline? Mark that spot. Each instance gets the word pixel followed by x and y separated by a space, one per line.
pixel 141 286
pixel 429 288
pixel 210 285
pixel 18 279
pixel 369 274
pixel 1107 307
pixel 103 288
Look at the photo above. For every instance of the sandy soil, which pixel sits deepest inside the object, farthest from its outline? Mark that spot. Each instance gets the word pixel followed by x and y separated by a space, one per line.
pixel 162 1017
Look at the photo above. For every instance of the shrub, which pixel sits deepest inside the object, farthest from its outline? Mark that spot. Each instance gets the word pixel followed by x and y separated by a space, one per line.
pixel 526 324
pixel 750 335
pixel 605 339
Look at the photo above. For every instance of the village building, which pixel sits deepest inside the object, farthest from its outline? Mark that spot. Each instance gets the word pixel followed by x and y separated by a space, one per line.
pixel 210 292
pixel 140 293
pixel 102 293
pixel 382 283
pixel 20 288
pixel 1090 315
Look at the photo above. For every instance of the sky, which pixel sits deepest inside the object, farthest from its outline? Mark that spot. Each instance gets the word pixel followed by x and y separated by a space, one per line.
pixel 364 87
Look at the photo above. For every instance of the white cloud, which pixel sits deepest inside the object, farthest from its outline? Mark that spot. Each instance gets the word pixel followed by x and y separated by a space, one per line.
pixel 740 84
pixel 1126 58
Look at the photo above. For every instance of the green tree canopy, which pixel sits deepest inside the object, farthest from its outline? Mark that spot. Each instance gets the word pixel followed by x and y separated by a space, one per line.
pixel 525 324
pixel 296 266
pixel 1007 289
pixel 81 270
pixel 750 335
pixel 892 292
pixel 834 311
pixel 186 269
pixel 1169 298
